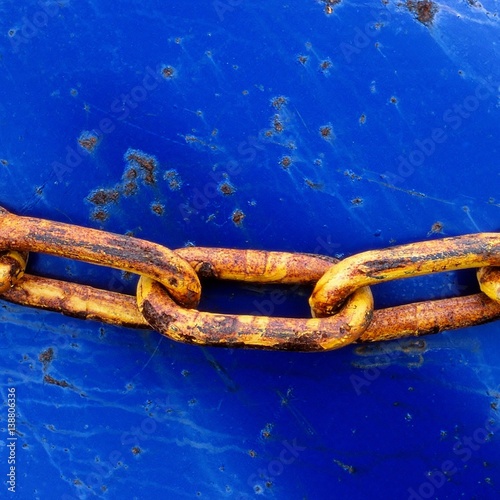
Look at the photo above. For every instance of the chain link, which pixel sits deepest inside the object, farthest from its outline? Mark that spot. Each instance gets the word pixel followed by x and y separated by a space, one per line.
pixel 169 288
pixel 403 261
pixel 229 330
pixel 28 234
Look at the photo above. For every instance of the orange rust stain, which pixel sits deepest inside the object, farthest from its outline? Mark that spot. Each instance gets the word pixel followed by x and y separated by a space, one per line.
pixel 104 196
pixel 285 162
pixel 46 357
pixel 100 214
pixel 424 10
pixel 329 5
pixel 325 65
pixel 226 188
pixel 326 132
pixel 158 208
pixel 168 72
pixel 279 101
pixel 277 124
pixel 146 163
pixel 173 179
pixel 51 380
pixel 88 141
pixel 238 216
pixel 313 185
pixel 437 227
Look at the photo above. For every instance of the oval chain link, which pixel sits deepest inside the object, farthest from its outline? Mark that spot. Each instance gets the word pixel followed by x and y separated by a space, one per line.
pixel 258 332
pixel 404 261
pixel 104 249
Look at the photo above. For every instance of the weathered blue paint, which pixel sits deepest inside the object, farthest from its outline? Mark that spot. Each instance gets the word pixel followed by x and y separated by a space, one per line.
pixel 252 125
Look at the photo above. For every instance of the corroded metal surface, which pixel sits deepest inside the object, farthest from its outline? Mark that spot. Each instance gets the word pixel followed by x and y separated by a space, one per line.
pixel 12 266
pixel 73 299
pixel 102 248
pixel 204 124
pixel 489 281
pixel 387 324
pixel 257 266
pixel 404 261
pixel 433 316
pixel 258 332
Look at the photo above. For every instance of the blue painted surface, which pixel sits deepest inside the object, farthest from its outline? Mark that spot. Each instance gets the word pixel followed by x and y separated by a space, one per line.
pixel 388 125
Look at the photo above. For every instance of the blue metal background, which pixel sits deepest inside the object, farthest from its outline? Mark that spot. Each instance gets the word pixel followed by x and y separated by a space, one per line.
pixel 269 125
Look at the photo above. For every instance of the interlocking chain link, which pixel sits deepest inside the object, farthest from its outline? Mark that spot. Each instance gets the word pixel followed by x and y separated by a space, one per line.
pixel 28 234
pixel 231 330
pixel 403 261
pixel 169 288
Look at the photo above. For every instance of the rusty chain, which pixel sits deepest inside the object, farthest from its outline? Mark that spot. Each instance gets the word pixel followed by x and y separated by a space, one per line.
pixel 169 287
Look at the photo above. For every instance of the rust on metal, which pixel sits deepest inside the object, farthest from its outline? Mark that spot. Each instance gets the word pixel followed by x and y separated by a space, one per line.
pixel 104 249
pixel 397 322
pixel 147 163
pixel 88 140
pixel 256 266
pixel 424 10
pixel 404 261
pixel 257 332
pixel 61 383
pixel 12 266
pixel 489 281
pixel 433 316
pixel 80 301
